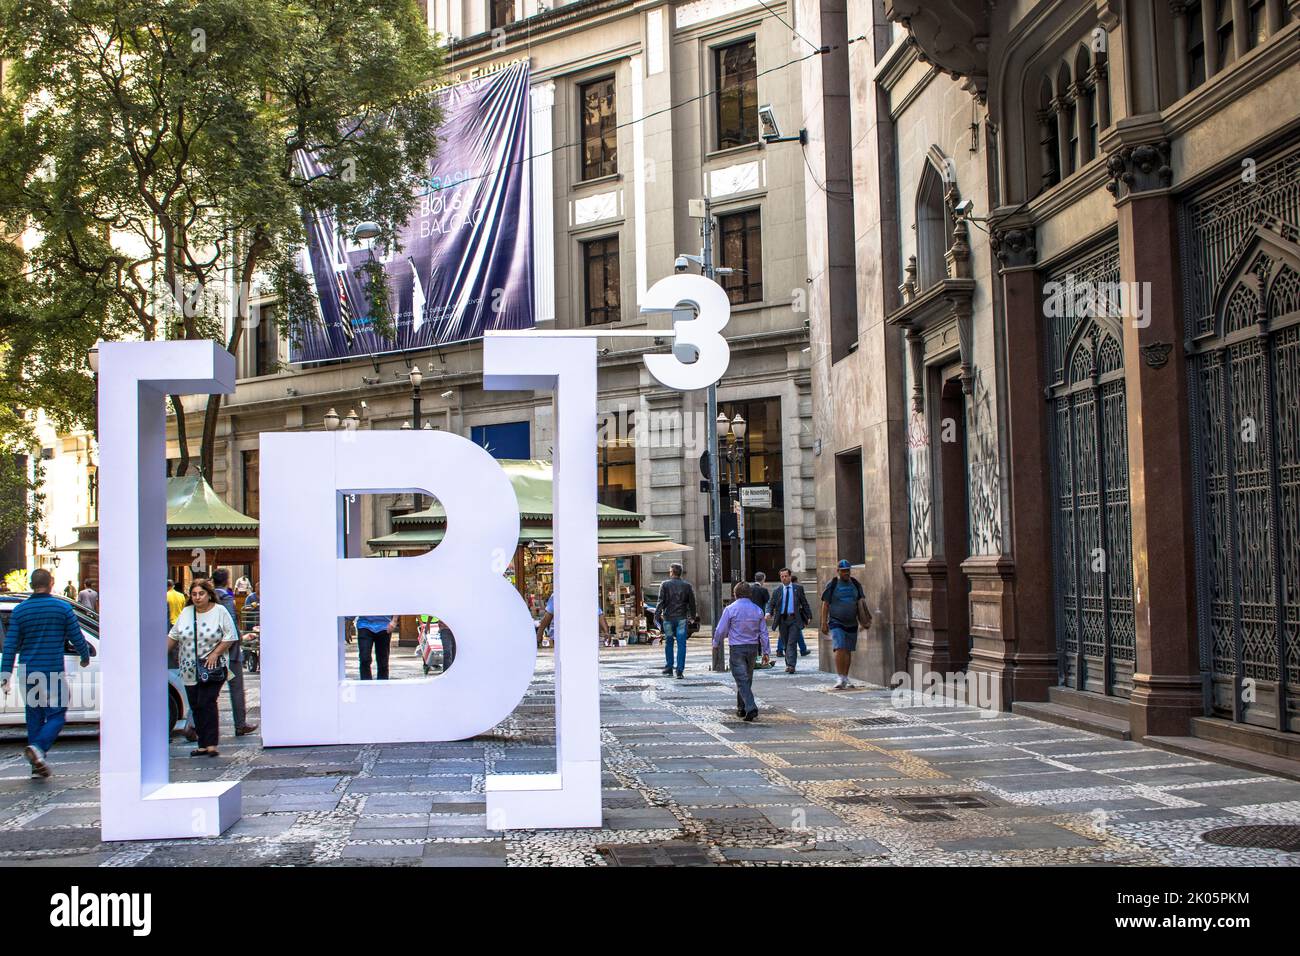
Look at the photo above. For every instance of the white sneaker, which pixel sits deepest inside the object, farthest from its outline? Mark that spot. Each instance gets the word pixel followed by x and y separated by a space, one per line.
pixel 37 759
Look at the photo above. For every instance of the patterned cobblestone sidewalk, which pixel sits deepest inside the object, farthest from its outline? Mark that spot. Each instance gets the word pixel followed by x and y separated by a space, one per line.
pixel 822 778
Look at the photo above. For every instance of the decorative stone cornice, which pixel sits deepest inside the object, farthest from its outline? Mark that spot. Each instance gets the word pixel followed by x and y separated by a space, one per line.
pixel 953 35
pixel 1013 246
pixel 1110 13
pixel 1138 169
pixel 948 299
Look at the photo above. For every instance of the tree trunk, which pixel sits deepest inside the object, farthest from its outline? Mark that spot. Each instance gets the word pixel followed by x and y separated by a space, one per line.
pixel 183 465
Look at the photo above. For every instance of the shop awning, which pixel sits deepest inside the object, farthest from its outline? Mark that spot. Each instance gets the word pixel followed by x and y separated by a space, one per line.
pixel 618 533
pixel 610 542
pixel 211 543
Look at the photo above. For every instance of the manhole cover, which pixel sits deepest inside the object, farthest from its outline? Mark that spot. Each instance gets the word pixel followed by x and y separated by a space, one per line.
pixel 926 817
pixel 1257 837
pixel 628 688
pixel 943 801
pixel 672 853
pixel 878 721
pixel 857 798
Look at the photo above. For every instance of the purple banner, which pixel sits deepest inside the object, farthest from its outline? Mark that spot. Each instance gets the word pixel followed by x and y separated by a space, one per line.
pixel 465 264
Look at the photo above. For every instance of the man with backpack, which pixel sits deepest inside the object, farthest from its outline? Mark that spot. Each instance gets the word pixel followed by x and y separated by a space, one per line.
pixel 843 607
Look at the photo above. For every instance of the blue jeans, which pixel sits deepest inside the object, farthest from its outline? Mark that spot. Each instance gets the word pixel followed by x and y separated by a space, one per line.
pixel 743 658
pixel 675 630
pixel 44 722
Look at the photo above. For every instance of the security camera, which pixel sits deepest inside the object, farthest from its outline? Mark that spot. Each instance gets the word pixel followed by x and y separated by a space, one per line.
pixel 680 264
pixel 963 209
pixel 449 393
pixel 767 122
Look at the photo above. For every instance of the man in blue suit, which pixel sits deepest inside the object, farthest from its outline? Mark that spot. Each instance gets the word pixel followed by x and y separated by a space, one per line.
pixel 789 613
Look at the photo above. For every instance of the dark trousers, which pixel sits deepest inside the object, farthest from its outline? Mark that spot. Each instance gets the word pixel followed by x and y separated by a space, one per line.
pixel 789 639
pixel 378 641
pixel 743 658
pixel 448 649
pixel 238 703
pixel 203 705
pixel 781 635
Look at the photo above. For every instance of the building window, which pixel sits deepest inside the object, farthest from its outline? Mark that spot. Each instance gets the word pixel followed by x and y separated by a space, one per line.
pixel 599 129
pixel 760 464
pixel 741 237
pixel 502 13
pixel 1048 141
pixel 616 460
pixel 932 229
pixel 1195 45
pixel 600 279
pixel 252 483
pixel 1258 26
pixel 735 75
pixel 265 342
pixel 1227 46
pixel 850 531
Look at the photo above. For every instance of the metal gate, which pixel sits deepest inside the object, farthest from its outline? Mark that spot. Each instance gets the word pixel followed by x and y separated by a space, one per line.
pixel 1243 314
pixel 1093 550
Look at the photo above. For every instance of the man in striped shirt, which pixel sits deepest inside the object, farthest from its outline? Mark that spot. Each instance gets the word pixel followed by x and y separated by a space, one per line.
pixel 38 630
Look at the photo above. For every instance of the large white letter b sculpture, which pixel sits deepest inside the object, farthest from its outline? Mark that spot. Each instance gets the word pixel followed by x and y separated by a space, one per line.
pixel 309 587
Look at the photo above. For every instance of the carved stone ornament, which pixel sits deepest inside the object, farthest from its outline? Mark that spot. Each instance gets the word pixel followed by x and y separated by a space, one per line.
pixel 1156 354
pixel 1014 246
pixel 1136 169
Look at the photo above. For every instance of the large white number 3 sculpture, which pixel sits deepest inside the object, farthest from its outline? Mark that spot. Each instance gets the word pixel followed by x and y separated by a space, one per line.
pixel 701 335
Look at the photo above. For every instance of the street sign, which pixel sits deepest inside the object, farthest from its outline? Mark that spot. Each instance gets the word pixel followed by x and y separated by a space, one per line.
pixel 755 496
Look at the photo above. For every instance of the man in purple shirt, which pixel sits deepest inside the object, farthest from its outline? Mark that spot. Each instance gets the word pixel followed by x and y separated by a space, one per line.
pixel 744 629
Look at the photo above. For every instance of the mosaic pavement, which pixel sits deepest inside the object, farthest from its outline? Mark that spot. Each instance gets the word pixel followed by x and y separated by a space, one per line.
pixel 823 778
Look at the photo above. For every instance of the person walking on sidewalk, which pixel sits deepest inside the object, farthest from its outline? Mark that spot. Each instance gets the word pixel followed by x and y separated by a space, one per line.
pixel 175 603
pixel 673 614
pixel 89 597
pixel 38 629
pixel 788 611
pixel 238 701
pixel 202 635
pixel 840 619
pixel 742 627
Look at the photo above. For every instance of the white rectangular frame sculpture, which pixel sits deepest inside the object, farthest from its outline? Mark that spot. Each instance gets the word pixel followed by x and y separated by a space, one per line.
pixel 138 801
pixel 570 797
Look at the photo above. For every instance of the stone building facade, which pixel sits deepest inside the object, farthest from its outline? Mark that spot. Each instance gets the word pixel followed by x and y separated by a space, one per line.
pixel 637 108
pixel 1057 428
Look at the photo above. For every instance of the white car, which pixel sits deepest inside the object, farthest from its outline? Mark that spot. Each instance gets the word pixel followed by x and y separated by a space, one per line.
pixel 83 682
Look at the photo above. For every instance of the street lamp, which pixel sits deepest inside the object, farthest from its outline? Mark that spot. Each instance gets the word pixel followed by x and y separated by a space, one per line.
pixel 352 421
pixel 331 420
pixel 700 209
pixel 734 434
pixel 416 377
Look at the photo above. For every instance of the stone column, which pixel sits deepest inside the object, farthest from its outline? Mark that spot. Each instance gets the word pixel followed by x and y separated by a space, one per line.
pixel 1166 678
pixel 1178 9
pixel 1026 658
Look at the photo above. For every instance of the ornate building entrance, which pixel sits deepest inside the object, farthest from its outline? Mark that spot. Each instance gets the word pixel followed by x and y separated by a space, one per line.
pixel 1241 245
pixel 1093 560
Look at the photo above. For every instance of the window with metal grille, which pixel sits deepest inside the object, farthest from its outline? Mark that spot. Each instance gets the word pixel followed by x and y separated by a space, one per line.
pixel 502 13
pixel 600 279
pixel 735 75
pixel 599 121
pixel 740 237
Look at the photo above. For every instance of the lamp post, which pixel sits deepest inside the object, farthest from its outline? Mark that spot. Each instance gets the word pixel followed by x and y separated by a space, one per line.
pixel 416 377
pixel 700 209
pixel 332 423
pixel 733 432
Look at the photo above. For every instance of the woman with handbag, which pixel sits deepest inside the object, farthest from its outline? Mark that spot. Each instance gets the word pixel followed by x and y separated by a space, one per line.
pixel 202 634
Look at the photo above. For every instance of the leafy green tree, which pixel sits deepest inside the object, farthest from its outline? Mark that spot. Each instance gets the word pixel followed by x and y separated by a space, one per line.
pixel 150 147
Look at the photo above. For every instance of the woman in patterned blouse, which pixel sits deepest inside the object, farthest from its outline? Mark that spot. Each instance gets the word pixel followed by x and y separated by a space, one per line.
pixel 215 635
